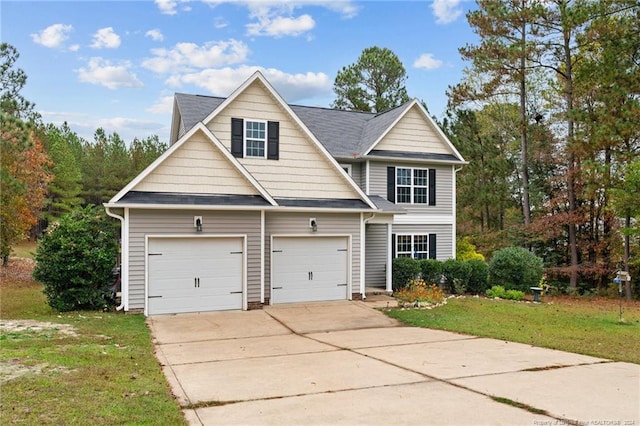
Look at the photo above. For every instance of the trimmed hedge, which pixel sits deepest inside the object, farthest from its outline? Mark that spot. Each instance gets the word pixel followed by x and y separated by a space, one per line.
pixel 404 270
pixel 454 276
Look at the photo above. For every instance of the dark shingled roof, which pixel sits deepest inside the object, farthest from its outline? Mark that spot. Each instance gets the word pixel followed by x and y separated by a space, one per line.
pixel 385 205
pixel 345 134
pixel 323 203
pixel 139 197
pixel 413 155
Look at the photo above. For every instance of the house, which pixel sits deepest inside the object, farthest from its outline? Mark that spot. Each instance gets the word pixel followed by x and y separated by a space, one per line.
pixel 258 202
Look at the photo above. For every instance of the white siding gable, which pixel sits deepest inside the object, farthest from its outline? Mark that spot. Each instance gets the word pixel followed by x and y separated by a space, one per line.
pixel 302 170
pixel 414 133
pixel 197 167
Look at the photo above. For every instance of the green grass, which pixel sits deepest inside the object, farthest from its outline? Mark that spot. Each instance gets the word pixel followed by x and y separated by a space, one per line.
pixel 585 326
pixel 104 374
pixel 26 250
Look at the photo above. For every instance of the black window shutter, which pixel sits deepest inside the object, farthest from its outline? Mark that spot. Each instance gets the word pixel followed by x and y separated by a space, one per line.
pixel 237 130
pixel 393 246
pixel 432 246
pixel 273 140
pixel 432 187
pixel 391 184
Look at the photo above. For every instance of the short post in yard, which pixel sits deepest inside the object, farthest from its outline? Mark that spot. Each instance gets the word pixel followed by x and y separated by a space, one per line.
pixel 622 277
pixel 536 293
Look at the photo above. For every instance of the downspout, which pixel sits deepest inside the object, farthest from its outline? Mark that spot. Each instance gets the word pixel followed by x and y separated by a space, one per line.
pixel 122 257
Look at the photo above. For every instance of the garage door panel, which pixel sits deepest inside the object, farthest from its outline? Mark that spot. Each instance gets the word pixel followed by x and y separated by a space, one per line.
pixel 195 274
pixel 309 269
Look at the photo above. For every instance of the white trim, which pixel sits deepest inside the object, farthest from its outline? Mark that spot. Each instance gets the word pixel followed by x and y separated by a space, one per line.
pixel 424 219
pixel 142 206
pixel 258 76
pixel 413 160
pixel 363 253
pixel 262 254
pixel 349 258
pixel 367 176
pixel 455 219
pixel 389 268
pixel 426 116
pixel 210 236
pixel 215 142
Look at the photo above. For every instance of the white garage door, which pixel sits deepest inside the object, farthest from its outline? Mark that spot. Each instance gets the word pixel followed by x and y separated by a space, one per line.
pixel 309 269
pixel 194 274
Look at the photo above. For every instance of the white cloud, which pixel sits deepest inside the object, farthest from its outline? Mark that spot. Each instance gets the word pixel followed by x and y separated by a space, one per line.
pixel 103 72
pixel 219 22
pixel 187 56
pixel 281 26
pixel 164 105
pixel 105 38
pixel 74 47
pixel 154 34
pixel 52 36
pixel 427 61
pixel 222 82
pixel 167 7
pixel 446 11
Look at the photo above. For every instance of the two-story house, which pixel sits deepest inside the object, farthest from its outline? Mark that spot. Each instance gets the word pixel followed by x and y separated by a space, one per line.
pixel 260 202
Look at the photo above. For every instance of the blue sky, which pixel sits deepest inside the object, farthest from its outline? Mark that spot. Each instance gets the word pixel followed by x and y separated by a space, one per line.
pixel 117 64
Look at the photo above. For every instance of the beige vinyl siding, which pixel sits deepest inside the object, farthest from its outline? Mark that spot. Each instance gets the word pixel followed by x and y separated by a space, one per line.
pixel 444 237
pixel 197 167
pixel 167 222
pixel 444 187
pixel 376 255
pixel 328 224
pixel 413 133
pixel 302 170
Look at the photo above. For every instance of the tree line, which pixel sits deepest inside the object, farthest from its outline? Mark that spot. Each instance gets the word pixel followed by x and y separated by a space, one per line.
pixel 548 114
pixel 47 170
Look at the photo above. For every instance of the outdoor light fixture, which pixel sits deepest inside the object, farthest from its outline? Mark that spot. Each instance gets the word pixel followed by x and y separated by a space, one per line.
pixel 313 224
pixel 197 223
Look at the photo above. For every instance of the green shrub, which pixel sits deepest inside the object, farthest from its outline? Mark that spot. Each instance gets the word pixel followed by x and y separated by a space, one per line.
pixel 478 276
pixel 404 270
pixel 514 295
pixel 456 274
pixel 431 271
pixel 465 250
pixel 515 268
pixel 496 291
pixel 75 259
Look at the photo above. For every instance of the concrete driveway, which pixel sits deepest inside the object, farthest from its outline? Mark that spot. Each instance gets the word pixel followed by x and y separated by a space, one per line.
pixel 347 363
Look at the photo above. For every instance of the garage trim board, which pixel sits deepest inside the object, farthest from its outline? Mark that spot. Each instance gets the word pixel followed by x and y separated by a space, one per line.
pixel 308 268
pixel 200 279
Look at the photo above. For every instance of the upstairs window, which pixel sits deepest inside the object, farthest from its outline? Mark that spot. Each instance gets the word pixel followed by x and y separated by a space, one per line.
pixel 412 186
pixel 255 138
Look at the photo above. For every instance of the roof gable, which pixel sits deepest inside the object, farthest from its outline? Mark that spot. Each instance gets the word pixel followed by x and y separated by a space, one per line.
pixel 196 164
pixel 305 167
pixel 414 131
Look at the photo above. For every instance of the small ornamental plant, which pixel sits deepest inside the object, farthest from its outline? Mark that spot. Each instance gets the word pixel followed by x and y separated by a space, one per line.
pixel 418 293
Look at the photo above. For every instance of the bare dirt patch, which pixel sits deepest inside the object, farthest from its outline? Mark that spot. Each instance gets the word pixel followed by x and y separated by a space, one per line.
pixel 33 328
pixel 20 270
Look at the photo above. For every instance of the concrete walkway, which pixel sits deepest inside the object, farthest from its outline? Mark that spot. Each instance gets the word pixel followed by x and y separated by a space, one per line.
pixel 346 363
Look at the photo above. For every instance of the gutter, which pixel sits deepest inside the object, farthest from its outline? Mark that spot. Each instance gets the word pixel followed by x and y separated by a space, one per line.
pixel 121 219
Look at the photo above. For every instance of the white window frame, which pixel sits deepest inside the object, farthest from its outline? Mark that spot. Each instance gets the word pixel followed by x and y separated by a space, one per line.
pixel 347 168
pixel 414 253
pixel 412 186
pixel 245 138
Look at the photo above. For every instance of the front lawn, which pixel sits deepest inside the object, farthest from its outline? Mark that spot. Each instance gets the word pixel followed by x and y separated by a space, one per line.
pixel 76 367
pixel 587 326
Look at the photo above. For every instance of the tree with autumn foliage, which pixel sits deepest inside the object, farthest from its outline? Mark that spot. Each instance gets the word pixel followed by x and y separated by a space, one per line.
pixel 23 175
